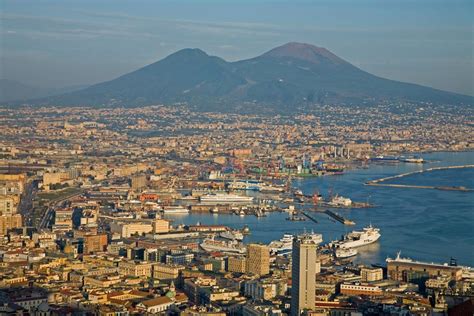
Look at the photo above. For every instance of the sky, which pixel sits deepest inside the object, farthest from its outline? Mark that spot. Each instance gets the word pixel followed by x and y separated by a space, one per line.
pixel 62 43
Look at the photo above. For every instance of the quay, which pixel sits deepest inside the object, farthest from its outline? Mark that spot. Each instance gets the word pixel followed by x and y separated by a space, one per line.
pixel 339 218
pixel 379 182
pixel 333 215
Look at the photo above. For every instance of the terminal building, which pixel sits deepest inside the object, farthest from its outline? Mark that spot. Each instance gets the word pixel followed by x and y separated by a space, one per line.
pixel 403 269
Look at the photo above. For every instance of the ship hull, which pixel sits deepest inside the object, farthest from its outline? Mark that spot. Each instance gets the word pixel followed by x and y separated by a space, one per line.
pixel 209 248
pixel 357 243
pixel 345 253
pixel 358 238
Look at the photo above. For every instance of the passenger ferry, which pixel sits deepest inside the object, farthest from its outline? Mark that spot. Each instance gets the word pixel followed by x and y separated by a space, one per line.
pixel 356 239
pixel 285 244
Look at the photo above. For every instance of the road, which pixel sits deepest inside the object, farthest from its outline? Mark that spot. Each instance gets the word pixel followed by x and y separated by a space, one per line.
pixel 48 216
pixel 25 207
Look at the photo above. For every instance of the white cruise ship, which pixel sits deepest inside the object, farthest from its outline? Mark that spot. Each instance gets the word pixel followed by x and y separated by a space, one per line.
pixel 175 210
pixel 356 238
pixel 220 198
pixel 232 246
pixel 285 244
pixel 282 246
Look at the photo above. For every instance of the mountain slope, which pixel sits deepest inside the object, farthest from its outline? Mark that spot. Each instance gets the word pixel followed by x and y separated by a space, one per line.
pixel 289 75
pixel 189 75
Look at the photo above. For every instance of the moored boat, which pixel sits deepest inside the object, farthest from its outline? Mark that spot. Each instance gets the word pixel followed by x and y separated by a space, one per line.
pixel 219 198
pixel 340 201
pixel 342 253
pixel 285 244
pixel 356 239
pixel 175 210
pixel 232 235
pixel 412 159
pixel 231 246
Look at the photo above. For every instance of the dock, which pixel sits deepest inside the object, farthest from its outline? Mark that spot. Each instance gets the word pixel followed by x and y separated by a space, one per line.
pixel 353 205
pixel 379 182
pixel 339 218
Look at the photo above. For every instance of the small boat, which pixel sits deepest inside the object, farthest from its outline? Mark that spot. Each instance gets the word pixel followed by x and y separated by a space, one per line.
pixel 232 235
pixel 412 159
pixel 296 218
pixel 298 193
pixel 175 210
pixel 342 253
pixel 231 246
pixel 340 201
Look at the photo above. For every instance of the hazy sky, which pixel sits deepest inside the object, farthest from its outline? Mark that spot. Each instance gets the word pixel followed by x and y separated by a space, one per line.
pixel 64 42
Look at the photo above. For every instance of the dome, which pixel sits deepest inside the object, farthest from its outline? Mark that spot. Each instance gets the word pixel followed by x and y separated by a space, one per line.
pixel 68 249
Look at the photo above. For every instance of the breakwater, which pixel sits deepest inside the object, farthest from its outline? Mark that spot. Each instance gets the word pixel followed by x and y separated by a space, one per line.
pixel 380 182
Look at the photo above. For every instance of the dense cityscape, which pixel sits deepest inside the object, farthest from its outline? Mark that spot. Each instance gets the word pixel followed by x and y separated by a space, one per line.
pixel 85 195
pixel 242 158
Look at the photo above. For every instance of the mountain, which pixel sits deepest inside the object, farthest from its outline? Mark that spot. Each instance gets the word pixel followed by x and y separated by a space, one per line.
pixel 294 74
pixel 11 90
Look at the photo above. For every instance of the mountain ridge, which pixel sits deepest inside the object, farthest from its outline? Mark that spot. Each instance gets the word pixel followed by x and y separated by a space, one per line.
pixel 293 74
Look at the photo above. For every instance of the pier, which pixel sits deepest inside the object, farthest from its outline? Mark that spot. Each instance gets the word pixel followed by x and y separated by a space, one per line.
pixel 339 218
pixel 379 182
pixel 333 215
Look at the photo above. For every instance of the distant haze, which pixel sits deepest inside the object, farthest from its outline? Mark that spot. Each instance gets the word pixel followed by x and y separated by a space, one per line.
pixel 53 44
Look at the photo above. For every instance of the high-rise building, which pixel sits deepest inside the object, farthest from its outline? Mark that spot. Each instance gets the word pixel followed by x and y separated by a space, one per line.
pixel 63 219
pixel 258 259
pixel 95 243
pixel 138 181
pixel 371 274
pixel 8 222
pixel 236 264
pixel 8 204
pixel 303 288
pixel 161 226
